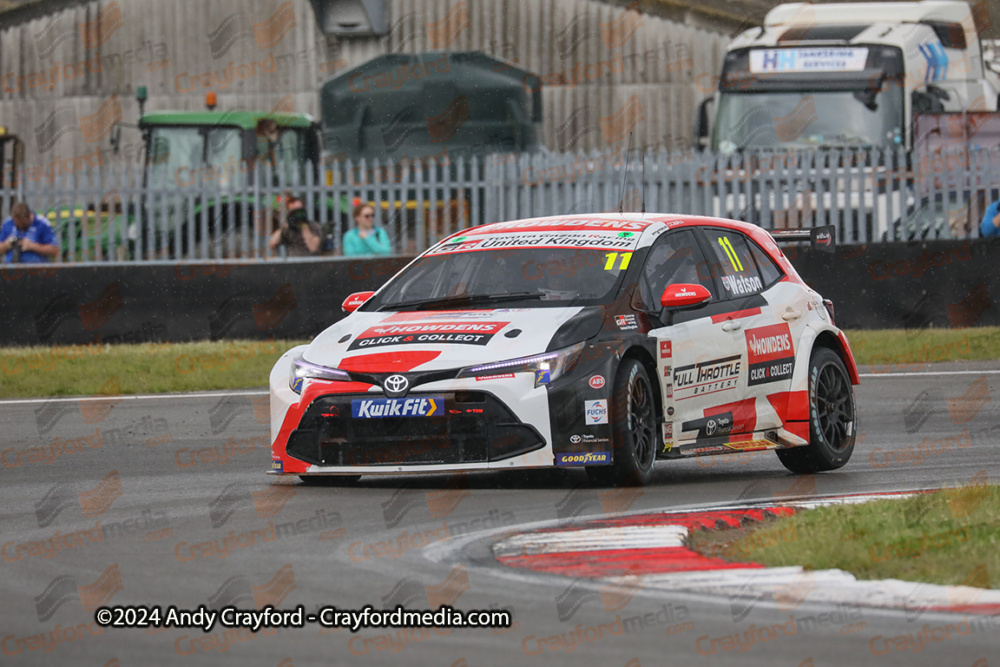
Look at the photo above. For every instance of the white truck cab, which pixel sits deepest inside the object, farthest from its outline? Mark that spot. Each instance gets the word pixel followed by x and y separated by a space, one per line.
pixel 847 75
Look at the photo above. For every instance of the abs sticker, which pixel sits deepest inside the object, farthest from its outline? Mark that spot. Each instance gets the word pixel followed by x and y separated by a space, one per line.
pixel 583 458
pixel 595 412
pixel 377 408
pixel 597 381
pixel 626 322
pixel 770 354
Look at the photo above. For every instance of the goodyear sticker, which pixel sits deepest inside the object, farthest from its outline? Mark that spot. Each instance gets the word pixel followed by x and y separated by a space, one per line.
pixel 297 385
pixel 583 458
pixel 278 465
pixel 542 377
pixel 375 408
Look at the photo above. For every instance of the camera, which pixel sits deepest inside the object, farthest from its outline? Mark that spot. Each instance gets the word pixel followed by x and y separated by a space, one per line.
pixel 15 250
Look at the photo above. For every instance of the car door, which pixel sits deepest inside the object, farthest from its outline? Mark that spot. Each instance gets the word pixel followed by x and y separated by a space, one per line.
pixel 699 358
pixel 750 289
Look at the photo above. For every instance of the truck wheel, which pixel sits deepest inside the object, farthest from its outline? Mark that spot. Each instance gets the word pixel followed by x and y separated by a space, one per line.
pixel 832 417
pixel 634 429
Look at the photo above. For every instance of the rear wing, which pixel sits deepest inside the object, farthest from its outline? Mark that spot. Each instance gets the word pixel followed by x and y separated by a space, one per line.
pixel 823 238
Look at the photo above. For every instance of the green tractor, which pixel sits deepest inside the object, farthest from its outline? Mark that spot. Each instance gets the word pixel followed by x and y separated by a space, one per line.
pixel 200 169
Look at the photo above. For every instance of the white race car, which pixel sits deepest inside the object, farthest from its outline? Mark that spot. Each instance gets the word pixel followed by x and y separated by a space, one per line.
pixel 605 341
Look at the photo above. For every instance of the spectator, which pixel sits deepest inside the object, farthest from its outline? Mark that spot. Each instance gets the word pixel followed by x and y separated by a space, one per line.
pixel 990 226
pixel 301 236
pixel 26 237
pixel 366 238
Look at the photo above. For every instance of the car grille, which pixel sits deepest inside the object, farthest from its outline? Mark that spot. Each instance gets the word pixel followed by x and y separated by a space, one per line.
pixel 474 427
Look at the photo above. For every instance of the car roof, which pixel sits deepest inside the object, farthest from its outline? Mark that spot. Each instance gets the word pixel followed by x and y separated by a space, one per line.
pixel 650 224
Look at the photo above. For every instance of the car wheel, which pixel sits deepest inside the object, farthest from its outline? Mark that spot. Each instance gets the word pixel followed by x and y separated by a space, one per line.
pixel 832 417
pixel 634 429
pixel 329 480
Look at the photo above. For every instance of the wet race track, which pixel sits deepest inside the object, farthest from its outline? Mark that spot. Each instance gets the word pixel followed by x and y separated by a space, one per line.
pixel 164 501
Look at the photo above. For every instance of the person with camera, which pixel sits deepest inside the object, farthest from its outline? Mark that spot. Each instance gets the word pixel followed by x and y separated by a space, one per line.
pixel 301 236
pixel 26 238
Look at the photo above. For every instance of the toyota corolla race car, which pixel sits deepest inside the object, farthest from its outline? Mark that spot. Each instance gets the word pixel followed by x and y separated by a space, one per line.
pixel 603 341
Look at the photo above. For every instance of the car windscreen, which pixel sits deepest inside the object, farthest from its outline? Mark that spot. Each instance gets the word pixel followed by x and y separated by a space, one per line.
pixel 528 276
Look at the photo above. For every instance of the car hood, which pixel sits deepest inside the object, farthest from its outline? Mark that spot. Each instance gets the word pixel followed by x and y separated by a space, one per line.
pixel 434 340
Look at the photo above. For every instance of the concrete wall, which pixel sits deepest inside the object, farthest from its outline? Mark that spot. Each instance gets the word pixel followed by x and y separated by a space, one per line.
pixel 69 74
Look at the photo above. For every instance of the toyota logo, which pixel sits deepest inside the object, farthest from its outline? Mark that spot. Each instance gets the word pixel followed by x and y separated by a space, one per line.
pixel 395 385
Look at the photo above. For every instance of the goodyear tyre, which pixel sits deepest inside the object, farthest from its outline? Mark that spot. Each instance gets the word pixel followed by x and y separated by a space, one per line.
pixel 832 417
pixel 634 428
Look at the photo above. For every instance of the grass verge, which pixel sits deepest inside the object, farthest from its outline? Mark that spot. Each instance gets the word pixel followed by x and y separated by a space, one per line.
pixel 81 370
pixel 903 349
pixel 945 537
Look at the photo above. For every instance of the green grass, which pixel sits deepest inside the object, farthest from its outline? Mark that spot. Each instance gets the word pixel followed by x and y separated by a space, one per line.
pixel 80 370
pixel 899 349
pixel 945 537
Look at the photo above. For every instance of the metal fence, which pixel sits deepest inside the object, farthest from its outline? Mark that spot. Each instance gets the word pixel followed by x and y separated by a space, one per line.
pixel 132 213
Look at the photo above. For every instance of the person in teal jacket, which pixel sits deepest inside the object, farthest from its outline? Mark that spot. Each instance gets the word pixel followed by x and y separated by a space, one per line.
pixel 366 238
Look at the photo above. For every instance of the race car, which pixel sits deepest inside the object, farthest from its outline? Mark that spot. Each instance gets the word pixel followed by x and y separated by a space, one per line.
pixel 605 341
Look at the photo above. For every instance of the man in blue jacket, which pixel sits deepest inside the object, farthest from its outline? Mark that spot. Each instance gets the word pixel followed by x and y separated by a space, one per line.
pixel 27 238
pixel 990 226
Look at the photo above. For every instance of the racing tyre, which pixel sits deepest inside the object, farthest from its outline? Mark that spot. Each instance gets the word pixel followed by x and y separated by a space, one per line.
pixel 832 417
pixel 634 429
pixel 329 480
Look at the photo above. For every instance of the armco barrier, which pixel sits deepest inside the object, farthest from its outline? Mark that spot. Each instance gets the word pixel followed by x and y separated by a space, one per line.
pixel 890 285
pixel 64 305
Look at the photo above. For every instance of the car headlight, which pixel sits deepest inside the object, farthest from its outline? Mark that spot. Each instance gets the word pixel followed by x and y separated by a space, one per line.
pixel 302 369
pixel 547 367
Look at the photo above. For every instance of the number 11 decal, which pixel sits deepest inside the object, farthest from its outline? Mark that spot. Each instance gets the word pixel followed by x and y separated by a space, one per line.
pixel 609 264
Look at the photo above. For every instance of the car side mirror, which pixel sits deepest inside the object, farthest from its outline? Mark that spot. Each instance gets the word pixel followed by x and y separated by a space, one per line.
pixel 684 295
pixel 355 301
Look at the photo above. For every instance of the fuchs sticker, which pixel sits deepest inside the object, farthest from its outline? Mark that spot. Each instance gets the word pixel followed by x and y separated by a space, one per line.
pixel 666 349
pixel 710 427
pixel 706 377
pixel 668 430
pixel 770 354
pixel 596 381
pixel 454 333
pixel 277 465
pixel 595 412
pixel 378 408
pixel 626 322
pixel 583 458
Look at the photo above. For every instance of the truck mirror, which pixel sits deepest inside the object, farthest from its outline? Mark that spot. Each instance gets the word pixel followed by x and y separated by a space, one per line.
pixel 703 123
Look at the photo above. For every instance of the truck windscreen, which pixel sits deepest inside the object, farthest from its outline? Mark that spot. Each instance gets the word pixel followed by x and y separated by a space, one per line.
pixel 810 97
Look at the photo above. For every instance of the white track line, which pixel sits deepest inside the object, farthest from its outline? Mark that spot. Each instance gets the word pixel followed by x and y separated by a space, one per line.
pixel 897 375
